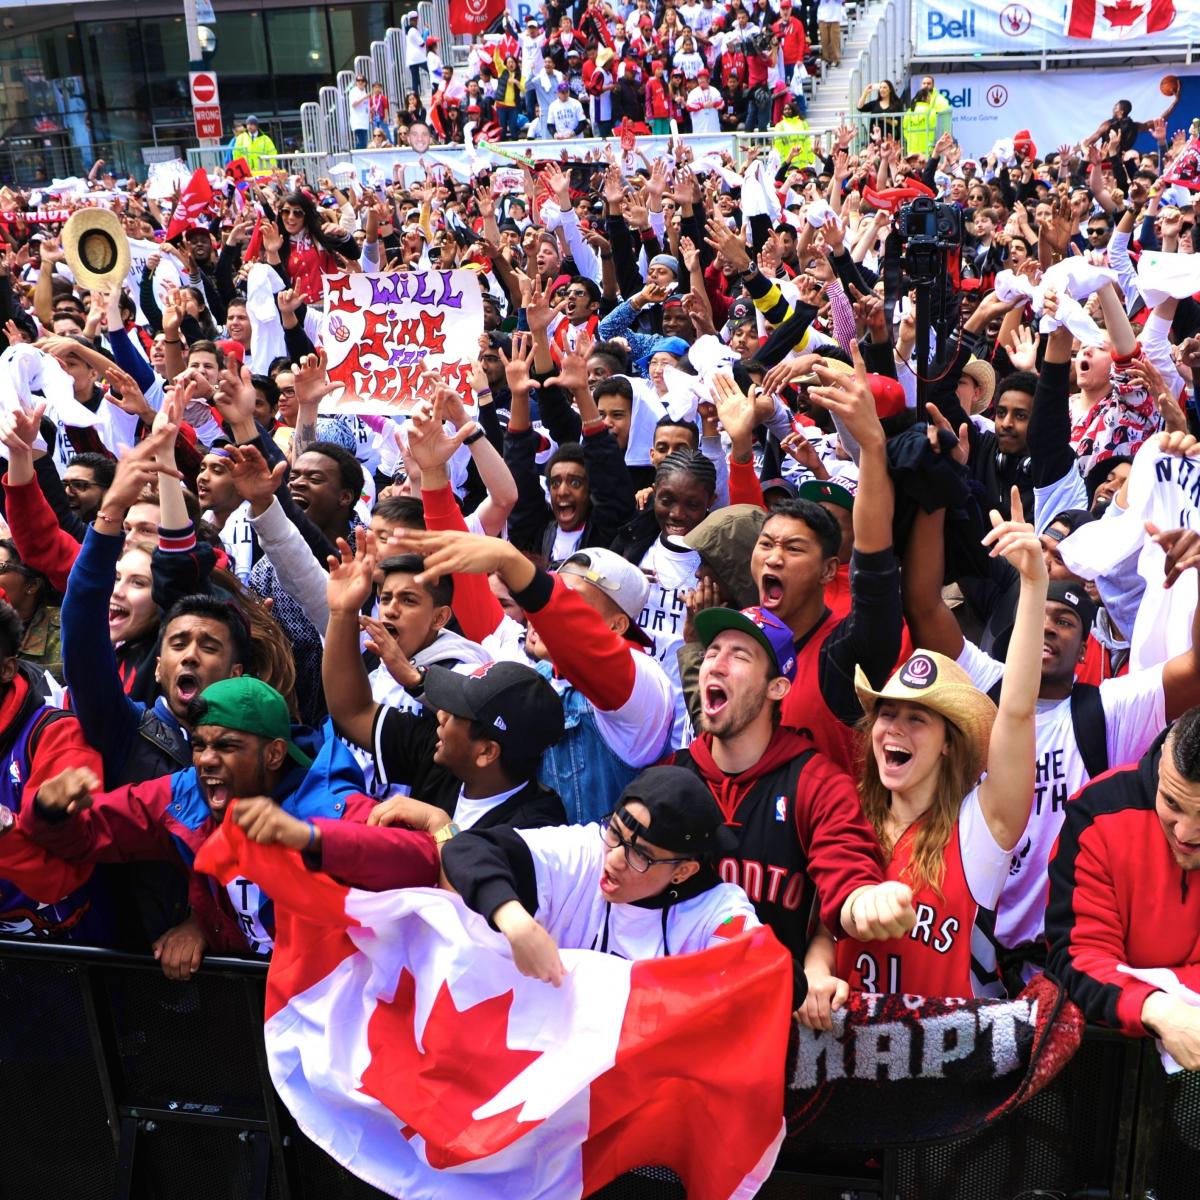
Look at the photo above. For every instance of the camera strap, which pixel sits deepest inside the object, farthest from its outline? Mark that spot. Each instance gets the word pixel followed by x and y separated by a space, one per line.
pixel 893 251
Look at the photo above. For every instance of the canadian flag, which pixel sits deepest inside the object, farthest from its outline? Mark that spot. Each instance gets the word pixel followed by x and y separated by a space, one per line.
pixel 408 1047
pixel 193 203
pixel 1116 20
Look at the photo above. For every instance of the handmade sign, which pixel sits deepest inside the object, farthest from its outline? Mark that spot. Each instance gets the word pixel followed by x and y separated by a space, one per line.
pixel 382 330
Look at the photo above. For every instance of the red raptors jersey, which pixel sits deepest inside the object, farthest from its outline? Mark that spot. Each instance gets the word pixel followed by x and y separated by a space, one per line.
pixel 934 957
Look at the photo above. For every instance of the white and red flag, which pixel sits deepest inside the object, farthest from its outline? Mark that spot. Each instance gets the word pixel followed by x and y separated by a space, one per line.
pixel 406 1045
pixel 193 203
pixel 1116 20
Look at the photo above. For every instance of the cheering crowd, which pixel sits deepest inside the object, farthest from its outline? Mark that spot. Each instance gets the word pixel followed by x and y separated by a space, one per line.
pixel 700 608
pixel 706 67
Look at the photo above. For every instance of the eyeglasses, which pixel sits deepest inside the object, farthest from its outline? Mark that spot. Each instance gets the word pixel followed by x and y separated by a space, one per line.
pixel 635 857
pixel 1097 232
pixel 78 485
pixel 287 391
pixel 291 212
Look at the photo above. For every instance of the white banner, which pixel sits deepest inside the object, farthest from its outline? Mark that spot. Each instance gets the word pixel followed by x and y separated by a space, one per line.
pixel 948 28
pixel 1056 107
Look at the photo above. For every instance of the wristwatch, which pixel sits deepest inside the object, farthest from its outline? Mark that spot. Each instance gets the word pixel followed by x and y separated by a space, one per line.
pixel 418 687
pixel 442 836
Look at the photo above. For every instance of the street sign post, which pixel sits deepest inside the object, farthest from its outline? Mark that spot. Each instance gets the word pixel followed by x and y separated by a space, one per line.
pixel 206 106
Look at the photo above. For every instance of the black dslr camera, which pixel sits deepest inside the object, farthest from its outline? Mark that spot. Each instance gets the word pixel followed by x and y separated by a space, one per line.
pixel 928 230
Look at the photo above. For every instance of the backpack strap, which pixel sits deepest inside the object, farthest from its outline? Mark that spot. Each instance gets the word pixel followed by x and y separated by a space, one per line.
pixel 46 718
pixel 1091 731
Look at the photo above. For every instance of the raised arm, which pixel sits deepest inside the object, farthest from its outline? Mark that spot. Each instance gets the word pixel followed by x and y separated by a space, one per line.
pixel 347 687
pixel 1006 794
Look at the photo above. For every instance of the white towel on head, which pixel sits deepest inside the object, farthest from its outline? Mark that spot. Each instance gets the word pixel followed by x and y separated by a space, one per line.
pixel 26 371
pixel 267 341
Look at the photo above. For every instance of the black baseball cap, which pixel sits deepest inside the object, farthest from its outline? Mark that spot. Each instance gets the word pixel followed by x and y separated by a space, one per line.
pixel 1100 471
pixel 1072 594
pixel 684 816
pixel 518 706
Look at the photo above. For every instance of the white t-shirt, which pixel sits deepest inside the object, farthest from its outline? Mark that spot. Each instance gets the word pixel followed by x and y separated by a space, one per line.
pixel 360 113
pixel 707 119
pixel 468 812
pixel 568 861
pixel 565 116
pixel 237 539
pixel 672 573
pixel 115 429
pixel 1134 715
pixel 414 47
pixel 566 542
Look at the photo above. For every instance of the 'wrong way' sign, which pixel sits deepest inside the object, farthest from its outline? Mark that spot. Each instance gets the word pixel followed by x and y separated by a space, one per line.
pixel 206 104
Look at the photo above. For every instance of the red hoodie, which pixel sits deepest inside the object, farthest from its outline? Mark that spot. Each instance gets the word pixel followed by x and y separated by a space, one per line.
pixel 800 829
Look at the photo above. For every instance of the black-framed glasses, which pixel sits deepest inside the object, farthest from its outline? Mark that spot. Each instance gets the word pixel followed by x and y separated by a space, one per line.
pixel 78 485
pixel 636 858
pixel 1097 233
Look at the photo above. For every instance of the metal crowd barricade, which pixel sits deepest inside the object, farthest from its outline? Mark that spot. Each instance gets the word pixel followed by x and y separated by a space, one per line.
pixel 119 1085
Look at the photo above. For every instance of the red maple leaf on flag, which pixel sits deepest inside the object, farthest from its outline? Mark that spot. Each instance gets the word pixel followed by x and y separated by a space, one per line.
pixel 1124 12
pixel 466 1061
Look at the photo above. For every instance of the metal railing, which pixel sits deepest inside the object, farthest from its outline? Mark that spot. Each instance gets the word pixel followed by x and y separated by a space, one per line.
pixel 119 1084
pixel 309 166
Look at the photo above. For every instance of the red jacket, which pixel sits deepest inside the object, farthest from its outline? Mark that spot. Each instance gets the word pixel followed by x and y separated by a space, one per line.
pixel 1117 896
pixel 40 541
pixel 794 39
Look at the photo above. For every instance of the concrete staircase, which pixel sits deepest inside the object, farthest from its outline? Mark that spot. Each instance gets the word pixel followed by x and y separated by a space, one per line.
pixel 832 99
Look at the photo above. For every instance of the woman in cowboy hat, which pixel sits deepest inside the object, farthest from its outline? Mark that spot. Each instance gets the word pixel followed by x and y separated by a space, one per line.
pixel 929 733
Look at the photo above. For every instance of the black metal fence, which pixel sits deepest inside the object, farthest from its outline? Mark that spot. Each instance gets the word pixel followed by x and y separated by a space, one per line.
pixel 117 1083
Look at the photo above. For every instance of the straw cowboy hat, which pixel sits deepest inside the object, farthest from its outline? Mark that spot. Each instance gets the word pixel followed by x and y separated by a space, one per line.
pixel 984 374
pixel 939 684
pixel 96 247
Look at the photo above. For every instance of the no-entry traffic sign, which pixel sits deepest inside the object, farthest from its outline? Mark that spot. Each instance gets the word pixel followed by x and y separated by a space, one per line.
pixel 206 104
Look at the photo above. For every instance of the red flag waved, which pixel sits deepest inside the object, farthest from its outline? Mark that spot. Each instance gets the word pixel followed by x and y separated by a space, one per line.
pixel 193 203
pixel 474 16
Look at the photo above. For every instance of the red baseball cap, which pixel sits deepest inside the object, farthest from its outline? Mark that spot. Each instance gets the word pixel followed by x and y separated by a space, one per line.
pixel 889 395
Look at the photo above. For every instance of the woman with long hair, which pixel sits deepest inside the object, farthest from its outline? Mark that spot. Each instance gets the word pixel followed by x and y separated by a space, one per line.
pixel 310 247
pixel 929 733
pixel 887 101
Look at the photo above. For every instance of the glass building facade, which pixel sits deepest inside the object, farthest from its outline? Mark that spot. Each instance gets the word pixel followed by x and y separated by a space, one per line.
pixel 94 80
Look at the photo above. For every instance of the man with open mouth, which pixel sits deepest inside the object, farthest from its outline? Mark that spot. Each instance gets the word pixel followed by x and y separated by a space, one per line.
pixel 796 558
pixel 794 816
pixel 245 752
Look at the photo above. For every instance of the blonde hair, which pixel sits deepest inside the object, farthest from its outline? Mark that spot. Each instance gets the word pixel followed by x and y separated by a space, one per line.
pixel 927 863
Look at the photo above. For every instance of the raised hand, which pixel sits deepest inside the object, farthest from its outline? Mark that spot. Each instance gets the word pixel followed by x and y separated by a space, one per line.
pixel 351 574
pixel 736 412
pixel 253 479
pixel 19 427
pixel 1022 349
pixel 290 299
pixel 937 421
pixel 234 397
pixel 572 371
pixel 312 379
pixel 516 368
pixel 850 397
pixel 728 243
pixel 1017 541
pixel 428 442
